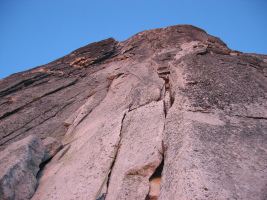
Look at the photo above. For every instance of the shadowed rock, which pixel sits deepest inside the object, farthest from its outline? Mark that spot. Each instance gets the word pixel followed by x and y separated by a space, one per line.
pixel 19 166
pixel 52 147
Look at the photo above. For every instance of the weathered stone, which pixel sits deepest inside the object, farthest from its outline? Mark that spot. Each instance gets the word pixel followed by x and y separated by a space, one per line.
pixel 212 135
pixel 96 132
pixel 175 96
pixel 19 164
pixel 52 146
pixel 48 94
pixel 139 154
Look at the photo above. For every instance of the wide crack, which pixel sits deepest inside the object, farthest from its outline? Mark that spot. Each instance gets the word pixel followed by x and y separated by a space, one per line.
pixel 41 171
pixel 154 182
pixel 167 96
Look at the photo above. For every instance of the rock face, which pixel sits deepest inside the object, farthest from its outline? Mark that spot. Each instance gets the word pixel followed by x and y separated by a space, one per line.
pixel 169 113
pixel 19 166
pixel 52 147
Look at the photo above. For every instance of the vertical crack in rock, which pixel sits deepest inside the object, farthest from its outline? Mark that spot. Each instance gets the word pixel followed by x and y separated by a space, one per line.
pixel 41 171
pixel 155 181
pixel 100 194
pixel 164 73
pixel 140 152
pixel 156 178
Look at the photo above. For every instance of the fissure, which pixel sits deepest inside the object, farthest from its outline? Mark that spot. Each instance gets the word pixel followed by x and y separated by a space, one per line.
pixel 102 194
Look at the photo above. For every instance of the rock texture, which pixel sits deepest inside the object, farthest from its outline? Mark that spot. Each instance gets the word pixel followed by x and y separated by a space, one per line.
pixel 19 166
pixel 169 113
pixel 52 147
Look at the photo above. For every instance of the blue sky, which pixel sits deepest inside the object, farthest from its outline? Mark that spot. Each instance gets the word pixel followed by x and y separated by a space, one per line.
pixel 36 32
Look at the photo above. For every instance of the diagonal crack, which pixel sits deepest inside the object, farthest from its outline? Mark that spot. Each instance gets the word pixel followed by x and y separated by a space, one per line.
pixel 251 117
pixel 242 116
pixel 116 150
pixel 24 125
pixel 21 84
pixel 70 100
pixel 35 125
pixel 37 98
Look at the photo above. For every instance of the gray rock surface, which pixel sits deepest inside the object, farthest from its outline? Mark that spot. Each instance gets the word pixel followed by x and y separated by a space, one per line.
pixel 19 164
pixel 171 108
pixel 52 146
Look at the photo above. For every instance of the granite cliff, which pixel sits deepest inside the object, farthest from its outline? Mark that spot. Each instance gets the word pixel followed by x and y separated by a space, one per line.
pixel 169 113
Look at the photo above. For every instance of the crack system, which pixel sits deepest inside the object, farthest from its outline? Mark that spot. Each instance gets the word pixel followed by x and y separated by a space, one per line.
pixel 20 85
pixel 37 98
pixel 52 116
pixel 155 178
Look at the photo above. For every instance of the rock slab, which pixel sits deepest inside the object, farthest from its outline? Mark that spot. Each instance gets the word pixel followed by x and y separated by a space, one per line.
pixel 140 152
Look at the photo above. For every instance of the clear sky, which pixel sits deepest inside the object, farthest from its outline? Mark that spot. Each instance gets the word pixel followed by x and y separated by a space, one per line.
pixel 36 32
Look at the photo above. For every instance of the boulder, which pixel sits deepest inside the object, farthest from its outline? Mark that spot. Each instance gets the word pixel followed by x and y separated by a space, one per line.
pixel 19 164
